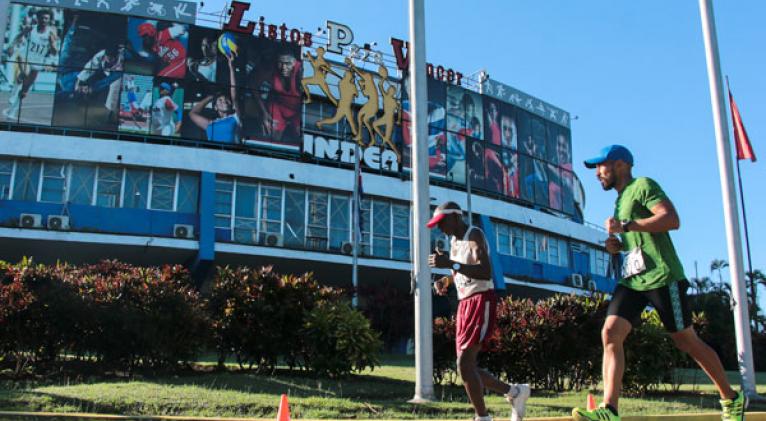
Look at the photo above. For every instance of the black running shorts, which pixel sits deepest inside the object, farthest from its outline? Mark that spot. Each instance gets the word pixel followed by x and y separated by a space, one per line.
pixel 670 302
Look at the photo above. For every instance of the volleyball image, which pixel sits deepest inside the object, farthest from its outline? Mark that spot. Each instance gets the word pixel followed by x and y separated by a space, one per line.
pixel 227 45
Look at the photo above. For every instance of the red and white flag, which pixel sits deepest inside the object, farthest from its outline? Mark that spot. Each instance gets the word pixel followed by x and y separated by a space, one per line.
pixel 744 148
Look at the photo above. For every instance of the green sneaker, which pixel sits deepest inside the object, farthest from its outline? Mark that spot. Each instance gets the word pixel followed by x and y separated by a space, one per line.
pixel 734 409
pixel 602 413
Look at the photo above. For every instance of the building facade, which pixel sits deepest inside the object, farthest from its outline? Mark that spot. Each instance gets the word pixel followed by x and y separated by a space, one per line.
pixel 165 142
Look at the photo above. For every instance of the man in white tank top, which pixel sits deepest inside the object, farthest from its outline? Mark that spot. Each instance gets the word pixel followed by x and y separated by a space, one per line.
pixel 35 49
pixel 469 262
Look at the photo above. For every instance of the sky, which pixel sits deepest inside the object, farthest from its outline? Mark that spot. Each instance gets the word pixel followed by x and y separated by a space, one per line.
pixel 630 72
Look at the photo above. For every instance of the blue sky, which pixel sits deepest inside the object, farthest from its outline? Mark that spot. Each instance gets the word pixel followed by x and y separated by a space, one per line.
pixel 633 72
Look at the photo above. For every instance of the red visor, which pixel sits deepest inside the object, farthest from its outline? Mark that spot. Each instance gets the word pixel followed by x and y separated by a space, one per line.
pixel 439 214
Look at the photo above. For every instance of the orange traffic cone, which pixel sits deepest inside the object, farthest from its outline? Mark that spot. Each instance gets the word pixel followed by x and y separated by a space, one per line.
pixel 284 409
pixel 591 402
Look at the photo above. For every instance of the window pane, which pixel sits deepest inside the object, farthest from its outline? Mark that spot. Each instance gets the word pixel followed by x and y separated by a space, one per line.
pixel 553 251
pixel 503 238
pixel 163 190
pixel 542 247
pixel 295 217
pixel 271 209
pixel 6 170
pixel 54 181
pixel 224 188
pixel 108 188
pixel 188 193
pixel 27 180
pixel 136 188
pixel 518 242
pixel 339 221
pixel 401 240
pixel 381 219
pixel 245 230
pixel 316 233
pixel 531 246
pixel 81 185
pixel 563 254
pixel 246 200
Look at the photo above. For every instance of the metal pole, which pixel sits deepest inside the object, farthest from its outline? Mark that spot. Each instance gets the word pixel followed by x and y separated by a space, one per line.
pixel 424 388
pixel 468 186
pixel 731 215
pixel 357 229
pixel 747 240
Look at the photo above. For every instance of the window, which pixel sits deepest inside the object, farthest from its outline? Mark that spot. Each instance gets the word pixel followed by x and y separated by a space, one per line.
pixel 340 226
pixel 531 245
pixel 381 229
pixel 26 182
pixel 54 182
pixel 563 253
pixel 81 183
pixel 400 242
pixel 542 247
pixel 108 187
pixel 295 217
pixel 136 188
pixel 224 194
pixel 365 222
pixel 163 190
pixel 518 241
pixel 245 213
pixel 6 172
pixel 271 209
pixel 602 262
pixel 553 251
pixel 316 227
pixel 188 192
pixel 503 238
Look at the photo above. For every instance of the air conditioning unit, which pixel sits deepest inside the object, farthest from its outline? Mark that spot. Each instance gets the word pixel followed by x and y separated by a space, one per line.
pixel 273 240
pixel 347 247
pixel 30 220
pixel 592 285
pixel 576 280
pixel 58 222
pixel 183 231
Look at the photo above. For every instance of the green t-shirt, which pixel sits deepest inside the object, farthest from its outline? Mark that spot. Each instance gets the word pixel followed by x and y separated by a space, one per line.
pixel 660 258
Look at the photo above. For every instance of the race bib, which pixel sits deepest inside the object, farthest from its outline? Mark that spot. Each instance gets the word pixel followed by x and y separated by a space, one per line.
pixel 633 263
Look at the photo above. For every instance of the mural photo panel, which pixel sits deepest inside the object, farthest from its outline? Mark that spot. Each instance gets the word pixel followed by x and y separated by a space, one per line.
pixel 212 113
pixel 495 172
pixel 275 83
pixel 511 166
pixel 508 129
pixel 167 107
pixel 203 58
pixel 156 48
pixel 475 164
pixel 90 72
pixel 555 187
pixel 456 157
pixel 29 61
pixel 136 103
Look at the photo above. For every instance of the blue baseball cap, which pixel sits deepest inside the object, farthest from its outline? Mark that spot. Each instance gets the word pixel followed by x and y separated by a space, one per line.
pixel 166 86
pixel 611 153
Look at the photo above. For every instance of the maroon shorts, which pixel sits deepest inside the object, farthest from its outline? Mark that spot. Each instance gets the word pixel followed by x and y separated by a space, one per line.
pixel 475 320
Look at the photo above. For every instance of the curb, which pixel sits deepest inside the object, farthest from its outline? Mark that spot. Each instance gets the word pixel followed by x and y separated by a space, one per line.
pixel 712 416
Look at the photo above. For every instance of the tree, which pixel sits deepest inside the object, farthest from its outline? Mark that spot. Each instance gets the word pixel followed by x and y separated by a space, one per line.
pixel 718 265
pixel 753 279
pixel 701 285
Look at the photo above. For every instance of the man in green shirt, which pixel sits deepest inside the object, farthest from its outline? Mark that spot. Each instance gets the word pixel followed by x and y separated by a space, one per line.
pixel 651 274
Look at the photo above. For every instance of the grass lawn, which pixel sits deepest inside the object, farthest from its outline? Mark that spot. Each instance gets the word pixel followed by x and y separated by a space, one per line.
pixel 382 393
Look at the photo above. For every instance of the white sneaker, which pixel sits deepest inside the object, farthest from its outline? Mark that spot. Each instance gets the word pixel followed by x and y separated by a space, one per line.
pixel 485 418
pixel 517 396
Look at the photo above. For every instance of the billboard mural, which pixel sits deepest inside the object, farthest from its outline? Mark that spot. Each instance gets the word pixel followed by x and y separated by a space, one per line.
pixel 272 88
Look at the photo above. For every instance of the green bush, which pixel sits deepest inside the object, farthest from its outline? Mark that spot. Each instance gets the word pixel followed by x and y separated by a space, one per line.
pixel 338 340
pixel 650 356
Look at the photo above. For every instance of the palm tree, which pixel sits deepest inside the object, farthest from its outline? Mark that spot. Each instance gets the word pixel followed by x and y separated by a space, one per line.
pixel 718 265
pixel 701 285
pixel 753 279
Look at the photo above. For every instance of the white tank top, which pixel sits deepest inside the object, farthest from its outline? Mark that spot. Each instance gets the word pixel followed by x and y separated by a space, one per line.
pixel 39 43
pixel 461 252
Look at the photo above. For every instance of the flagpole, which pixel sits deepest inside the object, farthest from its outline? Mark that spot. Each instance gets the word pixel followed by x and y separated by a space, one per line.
pixel 356 229
pixel 744 213
pixel 424 387
pixel 731 215
pixel 744 224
